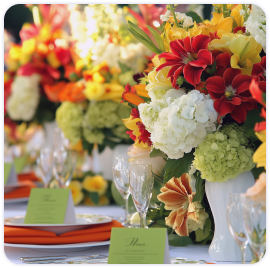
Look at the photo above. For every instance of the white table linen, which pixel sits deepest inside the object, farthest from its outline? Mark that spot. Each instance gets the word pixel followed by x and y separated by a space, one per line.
pixel 193 252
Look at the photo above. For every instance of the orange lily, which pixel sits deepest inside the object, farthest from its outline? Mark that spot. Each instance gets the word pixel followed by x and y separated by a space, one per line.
pixel 72 92
pixel 141 91
pixel 52 91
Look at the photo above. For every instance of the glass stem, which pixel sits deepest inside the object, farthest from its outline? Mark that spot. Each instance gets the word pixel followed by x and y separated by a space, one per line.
pixel 126 209
pixel 143 220
pixel 243 254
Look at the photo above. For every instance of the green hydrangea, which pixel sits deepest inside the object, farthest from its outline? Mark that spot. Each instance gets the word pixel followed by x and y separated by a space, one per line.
pixel 104 114
pixel 224 154
pixel 93 135
pixel 69 117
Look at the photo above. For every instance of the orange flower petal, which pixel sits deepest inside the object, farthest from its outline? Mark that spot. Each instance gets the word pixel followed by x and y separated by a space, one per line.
pixel 182 230
pixel 141 91
pixel 133 98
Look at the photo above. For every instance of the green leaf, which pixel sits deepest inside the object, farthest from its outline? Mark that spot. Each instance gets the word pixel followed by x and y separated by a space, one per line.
pixel 139 31
pixel 94 197
pixel 257 171
pixel 200 187
pixel 101 148
pixel 176 167
pixel 157 37
pixel 123 67
pixel 179 241
pixel 194 16
pixel 214 68
pixel 156 152
pixel 202 235
pixel 87 146
pixel 141 36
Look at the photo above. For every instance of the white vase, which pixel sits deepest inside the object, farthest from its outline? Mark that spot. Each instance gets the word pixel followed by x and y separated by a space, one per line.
pixel 223 246
pixel 102 162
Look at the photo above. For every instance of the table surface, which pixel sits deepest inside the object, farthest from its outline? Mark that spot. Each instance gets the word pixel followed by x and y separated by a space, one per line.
pixel 192 252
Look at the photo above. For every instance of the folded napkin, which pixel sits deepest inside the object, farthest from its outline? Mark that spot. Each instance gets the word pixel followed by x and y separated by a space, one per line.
pixel 23 235
pixel 31 176
pixel 23 191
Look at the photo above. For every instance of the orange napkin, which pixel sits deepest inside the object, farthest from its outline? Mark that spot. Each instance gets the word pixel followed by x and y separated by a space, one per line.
pixel 31 176
pixel 22 235
pixel 23 191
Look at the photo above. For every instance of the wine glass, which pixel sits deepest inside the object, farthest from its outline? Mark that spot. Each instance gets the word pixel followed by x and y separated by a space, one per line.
pixel 45 163
pixel 236 223
pixel 59 140
pixel 255 226
pixel 64 164
pixel 120 172
pixel 141 183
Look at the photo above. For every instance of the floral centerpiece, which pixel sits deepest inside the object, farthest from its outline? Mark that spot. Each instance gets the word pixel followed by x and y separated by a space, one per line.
pixel 107 58
pixel 37 62
pixel 195 109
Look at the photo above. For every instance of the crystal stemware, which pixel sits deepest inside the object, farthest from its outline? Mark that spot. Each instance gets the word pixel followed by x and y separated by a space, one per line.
pixel 236 223
pixel 255 226
pixel 45 163
pixel 120 172
pixel 141 183
pixel 64 164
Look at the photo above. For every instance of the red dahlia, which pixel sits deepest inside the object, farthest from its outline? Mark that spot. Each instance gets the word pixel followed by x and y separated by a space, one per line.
pixel 188 56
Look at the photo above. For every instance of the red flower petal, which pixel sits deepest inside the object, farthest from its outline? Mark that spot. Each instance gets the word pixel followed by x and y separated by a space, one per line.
pixel 262 86
pixel 187 44
pixel 63 55
pixel 229 75
pixel 263 62
pixel 223 60
pixel 169 57
pixel 177 49
pixel 215 84
pixel 248 105
pixel 204 58
pixel 241 83
pixel 257 70
pixel 236 101
pixel 239 114
pixel 263 113
pixel 200 42
pixel 260 126
pixel 175 76
pixel 225 107
pixel 192 74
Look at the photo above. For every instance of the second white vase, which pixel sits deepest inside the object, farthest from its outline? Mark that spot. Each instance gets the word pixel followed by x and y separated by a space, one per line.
pixel 223 247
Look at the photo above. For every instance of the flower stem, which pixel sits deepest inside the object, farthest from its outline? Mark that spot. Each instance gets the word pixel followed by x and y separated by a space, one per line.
pixel 172 10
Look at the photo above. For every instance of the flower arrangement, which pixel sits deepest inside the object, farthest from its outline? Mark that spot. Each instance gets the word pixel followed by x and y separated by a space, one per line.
pixel 197 109
pixel 90 189
pixel 107 58
pixel 37 62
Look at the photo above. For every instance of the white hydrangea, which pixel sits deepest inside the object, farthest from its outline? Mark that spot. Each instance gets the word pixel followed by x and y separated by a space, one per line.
pixel 166 16
pixel 179 122
pixel 256 25
pixel 24 98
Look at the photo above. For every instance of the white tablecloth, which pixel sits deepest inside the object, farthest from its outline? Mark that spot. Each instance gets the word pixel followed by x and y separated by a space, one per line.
pixel 193 252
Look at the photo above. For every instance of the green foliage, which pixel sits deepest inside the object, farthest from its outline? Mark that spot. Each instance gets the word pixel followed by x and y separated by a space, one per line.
pixel 87 146
pixel 200 187
pixel 194 16
pixel 158 38
pixel 179 241
pixel 213 69
pixel 202 236
pixel 257 171
pixel 156 152
pixel 94 197
pixel 177 167
pixel 123 67
pixel 142 37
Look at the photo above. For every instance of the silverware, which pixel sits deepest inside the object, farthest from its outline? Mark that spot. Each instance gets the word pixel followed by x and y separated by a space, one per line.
pixel 47 259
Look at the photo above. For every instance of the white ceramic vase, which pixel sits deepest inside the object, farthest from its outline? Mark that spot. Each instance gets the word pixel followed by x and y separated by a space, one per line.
pixel 223 247
pixel 102 162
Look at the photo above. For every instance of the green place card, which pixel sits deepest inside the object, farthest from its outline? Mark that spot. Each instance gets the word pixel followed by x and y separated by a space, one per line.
pixel 139 246
pixel 19 163
pixel 50 206
pixel 10 176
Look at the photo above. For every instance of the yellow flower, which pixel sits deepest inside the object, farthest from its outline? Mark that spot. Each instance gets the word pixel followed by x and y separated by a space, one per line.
pixel 239 19
pixel 97 73
pixel 15 52
pixel 53 61
pixel 28 48
pixel 95 184
pixel 197 216
pixel 103 201
pixel 173 33
pixel 158 82
pixel 106 91
pixel 76 190
pixel 217 23
pixel 259 156
pixel 244 50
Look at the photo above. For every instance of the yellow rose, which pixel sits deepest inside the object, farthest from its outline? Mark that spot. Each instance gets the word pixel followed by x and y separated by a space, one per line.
pixel 96 184
pixel 76 190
